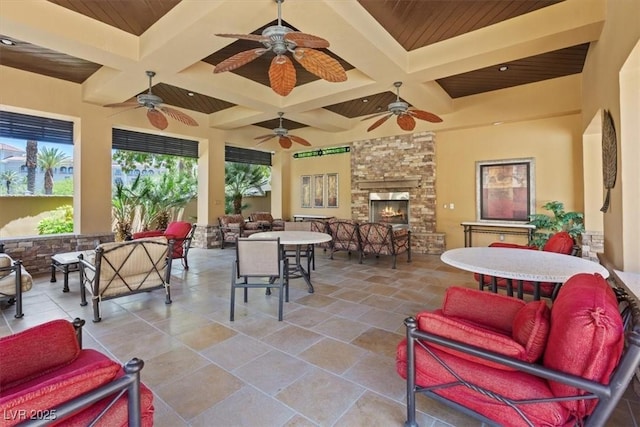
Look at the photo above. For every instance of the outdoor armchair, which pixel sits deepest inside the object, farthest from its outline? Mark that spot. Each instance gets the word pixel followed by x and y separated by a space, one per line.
pixel 14 281
pixel 182 234
pixel 264 221
pixel 123 268
pixel 384 239
pixel 509 362
pixel 344 236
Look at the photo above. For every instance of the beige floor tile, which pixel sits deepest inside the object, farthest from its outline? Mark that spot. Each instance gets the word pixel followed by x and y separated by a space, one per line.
pixel 332 355
pixel 272 371
pixel 235 351
pixel 378 373
pixel 292 339
pixel 171 366
pixel 196 392
pixel 341 328
pixel 320 396
pixel 201 337
pixel 372 410
pixel 307 317
pixel 378 341
pixel 246 407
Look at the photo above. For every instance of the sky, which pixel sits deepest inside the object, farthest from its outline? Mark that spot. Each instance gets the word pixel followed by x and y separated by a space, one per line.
pixel 21 144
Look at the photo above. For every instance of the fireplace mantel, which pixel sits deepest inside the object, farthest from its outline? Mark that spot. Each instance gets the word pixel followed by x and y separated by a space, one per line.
pixel 409 182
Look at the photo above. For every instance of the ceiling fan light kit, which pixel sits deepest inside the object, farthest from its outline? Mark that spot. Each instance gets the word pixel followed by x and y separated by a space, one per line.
pixel 282 40
pixel 285 139
pixel 406 115
pixel 153 104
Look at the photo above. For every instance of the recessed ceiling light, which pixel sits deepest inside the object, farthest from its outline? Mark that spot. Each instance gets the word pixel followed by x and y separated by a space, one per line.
pixel 497 123
pixel 191 94
pixel 7 42
pixel 503 68
pixel 365 100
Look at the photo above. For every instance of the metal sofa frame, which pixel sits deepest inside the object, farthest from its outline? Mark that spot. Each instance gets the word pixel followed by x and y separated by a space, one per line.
pixel 608 394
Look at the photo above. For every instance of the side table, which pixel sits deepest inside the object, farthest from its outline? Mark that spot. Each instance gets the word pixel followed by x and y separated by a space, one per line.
pixel 66 262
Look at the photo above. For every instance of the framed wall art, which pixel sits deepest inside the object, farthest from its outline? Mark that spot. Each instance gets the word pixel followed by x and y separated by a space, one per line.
pixel 305 191
pixel 505 190
pixel 332 190
pixel 318 191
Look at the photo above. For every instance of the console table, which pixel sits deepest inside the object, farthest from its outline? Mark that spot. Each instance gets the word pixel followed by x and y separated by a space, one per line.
pixel 496 228
pixel 301 217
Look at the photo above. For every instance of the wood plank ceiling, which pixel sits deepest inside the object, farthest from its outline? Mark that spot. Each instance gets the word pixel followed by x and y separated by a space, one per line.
pixel 412 24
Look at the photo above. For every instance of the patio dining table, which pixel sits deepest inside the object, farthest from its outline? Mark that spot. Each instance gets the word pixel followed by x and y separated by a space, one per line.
pixel 299 239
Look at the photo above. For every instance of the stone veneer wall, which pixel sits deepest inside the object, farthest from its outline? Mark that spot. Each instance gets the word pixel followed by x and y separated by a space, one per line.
pixel 397 158
pixel 592 243
pixel 36 252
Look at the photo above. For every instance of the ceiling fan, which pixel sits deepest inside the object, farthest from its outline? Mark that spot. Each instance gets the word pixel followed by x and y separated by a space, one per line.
pixel 285 139
pixel 153 104
pixel 405 115
pixel 280 40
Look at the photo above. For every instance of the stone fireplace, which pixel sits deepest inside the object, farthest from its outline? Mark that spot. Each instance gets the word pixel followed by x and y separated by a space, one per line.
pixel 392 208
pixel 399 164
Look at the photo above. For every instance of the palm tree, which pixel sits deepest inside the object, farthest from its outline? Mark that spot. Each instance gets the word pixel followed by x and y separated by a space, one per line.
pixel 48 160
pixel 240 178
pixel 124 201
pixel 31 163
pixel 9 178
pixel 164 194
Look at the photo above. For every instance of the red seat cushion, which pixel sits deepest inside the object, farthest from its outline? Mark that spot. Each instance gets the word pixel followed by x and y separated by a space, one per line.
pixel 148 233
pixel 88 371
pixel 62 348
pixel 586 336
pixel 561 243
pixel 429 372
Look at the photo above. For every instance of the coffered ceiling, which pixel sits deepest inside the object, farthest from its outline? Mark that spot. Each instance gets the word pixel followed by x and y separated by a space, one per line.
pixel 442 51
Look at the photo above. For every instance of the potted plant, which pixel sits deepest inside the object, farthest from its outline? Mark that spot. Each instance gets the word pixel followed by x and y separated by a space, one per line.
pixel 547 225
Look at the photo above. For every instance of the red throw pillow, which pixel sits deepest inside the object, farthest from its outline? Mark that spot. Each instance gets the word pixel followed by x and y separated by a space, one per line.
pixel 586 336
pixel 561 243
pixel 36 351
pixel 485 308
pixel 531 328
pixel 179 229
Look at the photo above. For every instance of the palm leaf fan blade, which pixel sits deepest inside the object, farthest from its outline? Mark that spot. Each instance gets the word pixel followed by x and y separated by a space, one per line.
pixel 130 103
pixel 320 64
pixel 425 115
pixel 264 138
pixel 306 40
pixel 238 60
pixel 179 116
pixel 378 122
pixel 157 119
pixel 299 140
pixel 285 142
pixel 406 122
pixel 282 75
pixel 252 37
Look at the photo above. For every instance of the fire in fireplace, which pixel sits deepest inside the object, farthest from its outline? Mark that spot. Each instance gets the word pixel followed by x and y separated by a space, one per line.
pixel 389 207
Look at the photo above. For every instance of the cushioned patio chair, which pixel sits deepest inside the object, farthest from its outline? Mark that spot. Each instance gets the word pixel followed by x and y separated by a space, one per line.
pixel 344 236
pixel 47 378
pixel 14 281
pixel 560 242
pixel 182 234
pixel 264 221
pixel 509 362
pixel 292 251
pixel 383 239
pixel 124 268
pixel 259 264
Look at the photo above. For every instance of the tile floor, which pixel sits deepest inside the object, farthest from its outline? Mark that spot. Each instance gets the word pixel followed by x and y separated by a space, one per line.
pixel 329 363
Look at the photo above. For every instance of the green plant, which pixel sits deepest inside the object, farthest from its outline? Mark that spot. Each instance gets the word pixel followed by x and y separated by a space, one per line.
pixel 242 178
pixel 61 221
pixel 546 225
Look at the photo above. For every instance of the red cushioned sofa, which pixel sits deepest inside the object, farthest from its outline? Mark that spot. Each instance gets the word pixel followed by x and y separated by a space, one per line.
pixel 509 362
pixel 48 379
pixel 561 243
